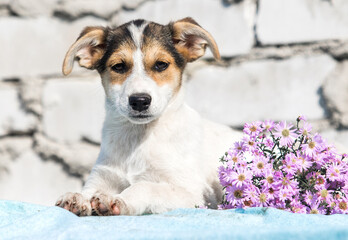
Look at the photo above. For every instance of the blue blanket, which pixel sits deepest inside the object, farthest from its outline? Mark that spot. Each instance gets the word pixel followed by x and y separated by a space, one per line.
pixel 28 221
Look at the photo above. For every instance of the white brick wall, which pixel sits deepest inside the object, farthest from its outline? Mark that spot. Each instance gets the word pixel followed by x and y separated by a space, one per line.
pixel 264 89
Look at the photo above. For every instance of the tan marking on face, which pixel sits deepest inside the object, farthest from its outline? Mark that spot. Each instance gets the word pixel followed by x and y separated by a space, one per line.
pixel 124 54
pixel 154 52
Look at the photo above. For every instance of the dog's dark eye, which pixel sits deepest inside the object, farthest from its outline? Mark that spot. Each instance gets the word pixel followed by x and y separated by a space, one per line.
pixel 161 66
pixel 120 67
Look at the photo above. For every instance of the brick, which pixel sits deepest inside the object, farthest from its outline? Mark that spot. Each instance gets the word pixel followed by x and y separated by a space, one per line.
pixel 290 21
pixel 73 109
pixel 13 118
pixel 335 92
pixel 37 46
pixel 265 89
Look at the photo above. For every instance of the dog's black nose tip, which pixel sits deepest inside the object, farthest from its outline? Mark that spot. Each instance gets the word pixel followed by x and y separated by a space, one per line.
pixel 140 101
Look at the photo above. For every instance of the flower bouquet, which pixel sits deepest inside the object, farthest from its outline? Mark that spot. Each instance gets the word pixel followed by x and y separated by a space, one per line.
pixel 285 167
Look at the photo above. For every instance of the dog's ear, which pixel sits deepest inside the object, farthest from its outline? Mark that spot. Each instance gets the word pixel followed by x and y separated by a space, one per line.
pixel 191 39
pixel 87 50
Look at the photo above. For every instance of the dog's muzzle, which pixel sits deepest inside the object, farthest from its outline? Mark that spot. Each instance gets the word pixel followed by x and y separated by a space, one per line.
pixel 139 101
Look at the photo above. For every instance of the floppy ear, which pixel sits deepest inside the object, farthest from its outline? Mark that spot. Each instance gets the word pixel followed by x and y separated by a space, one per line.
pixel 191 40
pixel 87 50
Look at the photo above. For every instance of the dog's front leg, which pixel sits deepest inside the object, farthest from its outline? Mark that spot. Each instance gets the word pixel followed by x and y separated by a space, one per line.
pixel 102 182
pixel 146 197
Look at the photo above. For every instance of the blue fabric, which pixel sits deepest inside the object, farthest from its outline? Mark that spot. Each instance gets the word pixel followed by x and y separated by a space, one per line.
pixel 28 221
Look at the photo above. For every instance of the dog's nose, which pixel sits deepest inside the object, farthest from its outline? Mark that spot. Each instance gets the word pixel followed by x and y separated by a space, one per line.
pixel 139 101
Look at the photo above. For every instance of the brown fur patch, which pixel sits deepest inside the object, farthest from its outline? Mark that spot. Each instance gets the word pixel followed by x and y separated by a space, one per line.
pixel 153 52
pixel 124 54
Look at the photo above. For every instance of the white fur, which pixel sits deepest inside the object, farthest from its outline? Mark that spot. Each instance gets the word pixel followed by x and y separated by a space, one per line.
pixel 169 161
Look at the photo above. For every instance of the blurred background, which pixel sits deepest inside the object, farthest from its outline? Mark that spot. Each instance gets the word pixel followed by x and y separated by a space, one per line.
pixel 281 59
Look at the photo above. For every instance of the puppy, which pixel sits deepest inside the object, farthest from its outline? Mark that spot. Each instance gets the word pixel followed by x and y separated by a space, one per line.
pixel 157 153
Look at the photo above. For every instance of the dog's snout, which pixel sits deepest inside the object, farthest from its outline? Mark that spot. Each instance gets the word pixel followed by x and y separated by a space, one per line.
pixel 140 101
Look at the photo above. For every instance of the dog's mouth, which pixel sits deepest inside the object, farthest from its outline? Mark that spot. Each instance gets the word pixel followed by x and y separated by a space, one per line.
pixel 140 118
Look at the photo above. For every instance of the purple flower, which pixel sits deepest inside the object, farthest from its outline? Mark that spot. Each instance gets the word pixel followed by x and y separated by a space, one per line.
pixel 342 205
pixel 334 172
pixel 259 165
pixel 223 176
pixel 262 198
pixel 252 129
pixel 320 182
pixel 286 134
pixel 313 147
pixel 269 143
pixel 251 193
pixel 315 208
pixel 325 195
pixel 234 195
pixel 240 147
pixel 267 169
pixel 284 194
pixel 309 197
pixel 304 163
pixel 297 206
pixel 241 177
pixel 287 183
pixel 250 143
pixel 289 164
pixel 268 181
pixel 267 125
pixel 233 158
pixel 306 129
pixel 302 117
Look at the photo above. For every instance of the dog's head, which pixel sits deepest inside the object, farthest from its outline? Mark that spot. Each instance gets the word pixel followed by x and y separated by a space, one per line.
pixel 140 62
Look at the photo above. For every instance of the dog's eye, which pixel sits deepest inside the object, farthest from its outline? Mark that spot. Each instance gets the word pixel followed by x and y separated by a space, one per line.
pixel 120 67
pixel 161 66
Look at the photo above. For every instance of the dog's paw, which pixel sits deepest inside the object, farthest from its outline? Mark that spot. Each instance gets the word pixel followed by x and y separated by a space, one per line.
pixel 75 203
pixel 104 205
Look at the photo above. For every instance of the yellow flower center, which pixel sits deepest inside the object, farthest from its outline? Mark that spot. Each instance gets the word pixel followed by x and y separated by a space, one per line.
pixel 285 133
pixel 248 203
pixel 342 205
pixel 235 159
pixel 251 143
pixel 336 170
pixel 311 145
pixel 259 165
pixel 270 179
pixel 285 181
pixel 253 129
pixel 320 181
pixel 241 177
pixel 238 194
pixel 323 193
pixel 262 197
pixel 314 211
pixel 305 133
